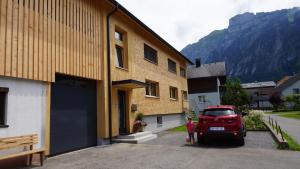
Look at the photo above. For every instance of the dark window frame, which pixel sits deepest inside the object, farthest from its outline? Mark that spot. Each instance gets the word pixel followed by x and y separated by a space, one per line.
pixel 3 107
pixel 159 121
pixel 147 52
pixel 184 95
pixel 182 72
pixel 296 91
pixel 202 98
pixel 119 36
pixel 171 65
pixel 118 64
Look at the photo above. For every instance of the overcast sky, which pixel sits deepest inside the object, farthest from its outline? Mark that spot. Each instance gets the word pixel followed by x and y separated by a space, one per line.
pixel 181 22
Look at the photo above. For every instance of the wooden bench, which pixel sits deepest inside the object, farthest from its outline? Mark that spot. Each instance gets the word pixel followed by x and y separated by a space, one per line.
pixel 27 142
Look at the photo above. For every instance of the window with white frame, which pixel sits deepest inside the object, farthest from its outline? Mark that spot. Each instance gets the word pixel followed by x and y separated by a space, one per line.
pixel 173 93
pixel 152 88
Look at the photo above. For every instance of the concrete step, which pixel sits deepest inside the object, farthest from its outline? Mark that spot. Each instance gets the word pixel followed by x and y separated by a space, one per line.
pixel 137 140
pixel 135 135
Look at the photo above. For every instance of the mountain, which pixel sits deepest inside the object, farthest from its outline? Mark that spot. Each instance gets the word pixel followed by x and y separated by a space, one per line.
pixel 255 47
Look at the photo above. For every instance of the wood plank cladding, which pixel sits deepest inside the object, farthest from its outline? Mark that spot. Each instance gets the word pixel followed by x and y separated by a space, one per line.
pixel 39 38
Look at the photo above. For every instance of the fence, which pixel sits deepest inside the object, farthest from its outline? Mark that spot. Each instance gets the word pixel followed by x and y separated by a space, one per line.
pixel 276 127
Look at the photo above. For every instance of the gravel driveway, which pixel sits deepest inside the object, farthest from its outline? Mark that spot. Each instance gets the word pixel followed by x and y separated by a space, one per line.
pixel 169 152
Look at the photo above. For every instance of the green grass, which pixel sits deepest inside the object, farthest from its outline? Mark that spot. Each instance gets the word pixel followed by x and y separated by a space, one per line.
pixel 179 129
pixel 294 115
pixel 293 145
pixel 182 128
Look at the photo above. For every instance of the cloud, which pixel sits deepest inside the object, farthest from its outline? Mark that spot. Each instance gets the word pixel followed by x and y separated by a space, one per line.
pixel 183 22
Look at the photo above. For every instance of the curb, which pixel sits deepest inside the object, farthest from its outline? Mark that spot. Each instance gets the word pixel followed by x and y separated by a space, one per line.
pixel 282 143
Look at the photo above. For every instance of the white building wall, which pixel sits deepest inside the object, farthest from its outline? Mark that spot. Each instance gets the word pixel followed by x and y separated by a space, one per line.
pixel 289 90
pixel 168 122
pixel 211 99
pixel 25 112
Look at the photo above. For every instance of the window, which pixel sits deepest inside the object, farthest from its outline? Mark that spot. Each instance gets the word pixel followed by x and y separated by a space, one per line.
pixel 3 97
pixel 172 66
pixel 159 121
pixel 201 99
pixel 150 54
pixel 152 88
pixel 118 36
pixel 296 91
pixel 120 49
pixel 119 57
pixel 173 93
pixel 182 72
pixel 184 95
pixel 218 112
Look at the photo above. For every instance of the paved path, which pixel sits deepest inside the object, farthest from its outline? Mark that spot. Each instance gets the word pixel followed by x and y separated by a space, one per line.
pixel 145 156
pixel 292 126
pixel 162 153
pixel 254 139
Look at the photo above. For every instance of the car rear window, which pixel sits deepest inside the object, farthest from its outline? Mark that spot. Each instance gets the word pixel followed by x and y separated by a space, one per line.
pixel 218 112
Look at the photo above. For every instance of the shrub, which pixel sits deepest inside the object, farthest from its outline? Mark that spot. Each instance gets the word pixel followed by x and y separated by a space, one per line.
pixel 254 121
pixel 139 116
pixel 139 123
pixel 293 101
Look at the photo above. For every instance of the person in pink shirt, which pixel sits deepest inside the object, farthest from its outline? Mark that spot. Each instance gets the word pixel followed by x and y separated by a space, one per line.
pixel 191 129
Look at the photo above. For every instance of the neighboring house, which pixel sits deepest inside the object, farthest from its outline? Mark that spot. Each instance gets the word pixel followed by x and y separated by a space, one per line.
pixel 288 85
pixel 205 84
pixel 58 78
pixel 259 93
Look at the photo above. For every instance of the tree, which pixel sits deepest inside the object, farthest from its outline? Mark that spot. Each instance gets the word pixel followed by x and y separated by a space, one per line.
pixel 293 101
pixel 276 100
pixel 235 94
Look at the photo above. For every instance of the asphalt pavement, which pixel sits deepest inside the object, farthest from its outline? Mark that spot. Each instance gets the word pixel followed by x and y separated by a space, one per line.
pixel 170 152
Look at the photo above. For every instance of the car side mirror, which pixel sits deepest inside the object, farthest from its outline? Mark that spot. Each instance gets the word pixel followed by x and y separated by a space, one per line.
pixel 244 114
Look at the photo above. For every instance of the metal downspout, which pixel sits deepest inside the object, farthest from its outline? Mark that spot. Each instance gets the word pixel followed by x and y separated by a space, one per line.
pixel 109 72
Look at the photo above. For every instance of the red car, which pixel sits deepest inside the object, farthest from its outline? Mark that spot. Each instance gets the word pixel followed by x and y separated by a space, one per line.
pixel 219 121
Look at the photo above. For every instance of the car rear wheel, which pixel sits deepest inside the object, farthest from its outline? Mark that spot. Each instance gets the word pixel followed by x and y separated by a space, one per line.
pixel 200 139
pixel 241 141
pixel 244 131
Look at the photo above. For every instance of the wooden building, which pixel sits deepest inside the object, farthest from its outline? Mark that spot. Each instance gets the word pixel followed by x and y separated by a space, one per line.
pixel 85 68
pixel 205 85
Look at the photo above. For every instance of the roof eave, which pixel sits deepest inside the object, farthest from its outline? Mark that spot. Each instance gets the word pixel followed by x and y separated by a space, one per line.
pixel 123 9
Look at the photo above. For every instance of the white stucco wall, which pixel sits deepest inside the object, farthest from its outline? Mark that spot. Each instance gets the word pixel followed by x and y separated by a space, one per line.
pixel 212 99
pixel 289 90
pixel 168 122
pixel 25 113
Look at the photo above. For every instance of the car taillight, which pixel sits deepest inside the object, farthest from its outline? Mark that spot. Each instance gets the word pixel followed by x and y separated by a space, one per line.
pixel 231 120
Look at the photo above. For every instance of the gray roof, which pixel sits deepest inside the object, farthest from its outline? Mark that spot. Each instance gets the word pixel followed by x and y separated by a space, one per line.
pixel 258 84
pixel 207 70
pixel 287 83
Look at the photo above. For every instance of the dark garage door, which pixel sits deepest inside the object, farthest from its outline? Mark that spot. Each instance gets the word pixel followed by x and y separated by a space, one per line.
pixel 73 115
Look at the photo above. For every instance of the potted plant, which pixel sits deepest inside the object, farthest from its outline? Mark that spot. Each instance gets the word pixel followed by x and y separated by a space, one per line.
pixel 139 123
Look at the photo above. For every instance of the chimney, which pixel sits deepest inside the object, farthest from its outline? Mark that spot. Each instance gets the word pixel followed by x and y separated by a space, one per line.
pixel 198 62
